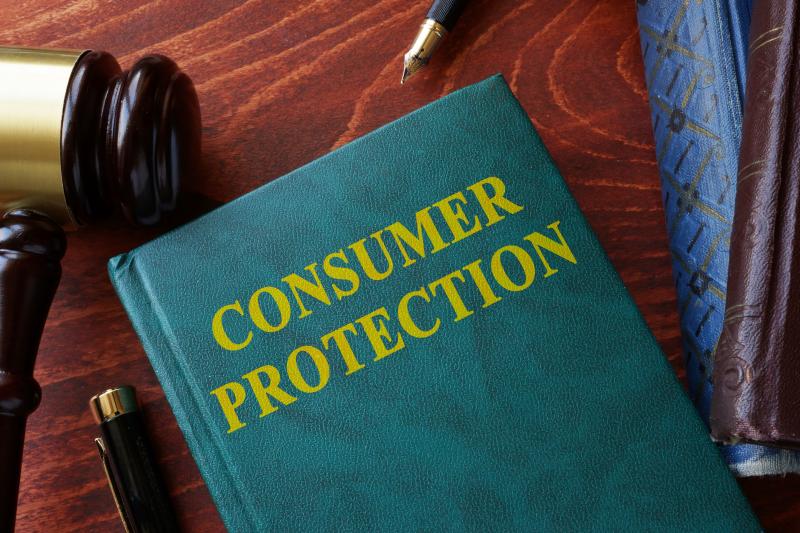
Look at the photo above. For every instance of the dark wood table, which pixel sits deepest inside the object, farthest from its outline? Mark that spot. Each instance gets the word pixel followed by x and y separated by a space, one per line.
pixel 284 82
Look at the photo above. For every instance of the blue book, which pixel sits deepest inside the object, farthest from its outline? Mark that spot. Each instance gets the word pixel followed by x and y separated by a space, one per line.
pixel 420 331
pixel 695 56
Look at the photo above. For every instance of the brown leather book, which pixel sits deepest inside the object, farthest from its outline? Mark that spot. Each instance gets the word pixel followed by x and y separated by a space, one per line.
pixel 757 363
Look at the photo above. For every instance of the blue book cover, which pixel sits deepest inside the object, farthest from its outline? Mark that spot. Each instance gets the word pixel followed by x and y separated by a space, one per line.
pixel 420 331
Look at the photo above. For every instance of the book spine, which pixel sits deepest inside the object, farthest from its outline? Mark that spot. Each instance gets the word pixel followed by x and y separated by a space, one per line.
pixel 739 18
pixel 757 371
pixel 163 351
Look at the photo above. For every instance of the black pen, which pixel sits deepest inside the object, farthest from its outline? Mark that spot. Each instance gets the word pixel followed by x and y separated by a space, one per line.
pixel 441 18
pixel 138 492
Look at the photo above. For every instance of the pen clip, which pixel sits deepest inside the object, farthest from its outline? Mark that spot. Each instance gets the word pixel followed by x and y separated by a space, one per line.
pixel 113 486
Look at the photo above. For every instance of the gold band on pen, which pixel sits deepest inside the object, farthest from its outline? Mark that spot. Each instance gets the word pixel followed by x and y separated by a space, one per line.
pixel 112 403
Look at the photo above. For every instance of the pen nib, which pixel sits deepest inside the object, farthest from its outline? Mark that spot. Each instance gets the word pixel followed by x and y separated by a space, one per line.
pixel 411 66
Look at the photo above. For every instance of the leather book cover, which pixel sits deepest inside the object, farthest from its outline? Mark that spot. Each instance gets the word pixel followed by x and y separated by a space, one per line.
pixel 757 370
pixel 420 331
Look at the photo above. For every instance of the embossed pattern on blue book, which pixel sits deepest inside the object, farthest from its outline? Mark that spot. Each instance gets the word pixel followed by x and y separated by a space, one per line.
pixel 695 55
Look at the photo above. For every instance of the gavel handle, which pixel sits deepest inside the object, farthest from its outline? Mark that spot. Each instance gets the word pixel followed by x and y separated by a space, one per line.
pixel 12 429
pixel 31 248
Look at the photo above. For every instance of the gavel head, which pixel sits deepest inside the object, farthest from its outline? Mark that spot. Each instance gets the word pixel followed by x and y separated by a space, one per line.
pixel 82 140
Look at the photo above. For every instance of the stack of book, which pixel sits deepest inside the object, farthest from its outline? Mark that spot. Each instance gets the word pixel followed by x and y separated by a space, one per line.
pixel 723 116
pixel 420 331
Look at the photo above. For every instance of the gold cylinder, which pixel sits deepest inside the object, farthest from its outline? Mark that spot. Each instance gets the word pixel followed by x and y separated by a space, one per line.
pixel 33 89
pixel 113 402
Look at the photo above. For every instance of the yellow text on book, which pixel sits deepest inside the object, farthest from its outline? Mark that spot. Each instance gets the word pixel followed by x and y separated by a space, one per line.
pixel 509 269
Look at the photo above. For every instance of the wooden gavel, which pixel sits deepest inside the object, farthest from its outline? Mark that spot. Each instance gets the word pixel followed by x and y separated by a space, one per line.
pixel 80 141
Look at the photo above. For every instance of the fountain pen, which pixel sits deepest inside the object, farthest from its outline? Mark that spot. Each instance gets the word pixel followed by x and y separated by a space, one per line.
pixel 441 18
pixel 138 491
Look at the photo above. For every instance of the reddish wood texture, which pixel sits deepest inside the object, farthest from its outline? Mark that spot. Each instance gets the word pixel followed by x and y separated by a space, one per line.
pixel 284 82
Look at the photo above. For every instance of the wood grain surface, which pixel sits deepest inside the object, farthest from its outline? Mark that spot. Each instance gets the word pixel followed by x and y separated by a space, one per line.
pixel 282 83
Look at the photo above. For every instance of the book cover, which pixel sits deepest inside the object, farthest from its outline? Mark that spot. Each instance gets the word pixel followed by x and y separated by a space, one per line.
pixel 695 58
pixel 756 366
pixel 419 331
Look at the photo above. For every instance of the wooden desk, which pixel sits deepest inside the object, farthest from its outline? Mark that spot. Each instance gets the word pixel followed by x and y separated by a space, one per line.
pixel 284 82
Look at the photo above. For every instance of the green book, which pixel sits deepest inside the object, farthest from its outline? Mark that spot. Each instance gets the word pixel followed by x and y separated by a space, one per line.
pixel 417 332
